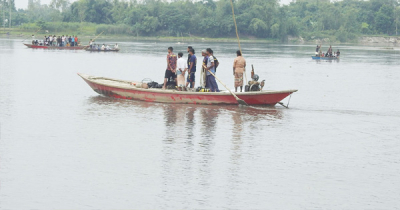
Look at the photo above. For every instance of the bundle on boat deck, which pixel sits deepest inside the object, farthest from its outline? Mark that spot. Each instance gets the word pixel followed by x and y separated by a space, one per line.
pixel 132 90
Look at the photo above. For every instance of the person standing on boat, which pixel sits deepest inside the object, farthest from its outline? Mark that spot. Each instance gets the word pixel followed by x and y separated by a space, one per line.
pixel 191 78
pixel 329 53
pixel 203 70
pixel 72 41
pixel 317 50
pixel 62 41
pixel 76 40
pixel 239 67
pixel 180 72
pixel 210 67
pixel 188 51
pixel 171 66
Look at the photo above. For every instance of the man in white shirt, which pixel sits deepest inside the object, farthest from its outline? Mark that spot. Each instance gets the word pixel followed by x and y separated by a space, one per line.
pixel 181 68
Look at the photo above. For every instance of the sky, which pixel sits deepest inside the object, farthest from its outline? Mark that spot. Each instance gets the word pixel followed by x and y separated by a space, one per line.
pixel 23 4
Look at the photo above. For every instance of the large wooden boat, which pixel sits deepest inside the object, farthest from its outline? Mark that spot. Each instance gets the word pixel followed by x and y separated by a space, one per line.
pixel 100 50
pixel 128 90
pixel 54 47
pixel 324 58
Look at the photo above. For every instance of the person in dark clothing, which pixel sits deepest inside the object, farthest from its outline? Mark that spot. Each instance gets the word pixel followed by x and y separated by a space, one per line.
pixel 188 50
pixel 191 69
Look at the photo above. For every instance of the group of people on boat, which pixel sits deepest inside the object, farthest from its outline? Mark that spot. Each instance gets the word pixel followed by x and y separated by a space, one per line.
pixel 329 53
pixel 177 67
pixel 94 46
pixel 59 41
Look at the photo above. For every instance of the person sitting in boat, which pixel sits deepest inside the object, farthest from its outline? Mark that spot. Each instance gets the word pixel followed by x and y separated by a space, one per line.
pixel 337 53
pixel 180 72
pixel 103 47
pixel 108 47
pixel 171 66
pixel 116 46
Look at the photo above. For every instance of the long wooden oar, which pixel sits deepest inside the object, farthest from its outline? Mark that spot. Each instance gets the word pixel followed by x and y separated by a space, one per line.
pixel 94 39
pixel 237 36
pixel 97 36
pixel 33 34
pixel 240 101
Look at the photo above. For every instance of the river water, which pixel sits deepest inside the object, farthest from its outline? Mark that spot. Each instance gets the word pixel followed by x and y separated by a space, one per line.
pixel 62 146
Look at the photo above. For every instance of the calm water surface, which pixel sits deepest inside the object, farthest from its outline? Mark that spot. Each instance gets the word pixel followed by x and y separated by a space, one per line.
pixel 62 146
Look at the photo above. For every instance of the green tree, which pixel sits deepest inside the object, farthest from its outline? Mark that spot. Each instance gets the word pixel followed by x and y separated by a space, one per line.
pixel 384 19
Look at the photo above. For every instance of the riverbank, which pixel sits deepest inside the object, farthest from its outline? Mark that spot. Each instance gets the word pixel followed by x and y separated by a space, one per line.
pixel 87 36
pixel 90 34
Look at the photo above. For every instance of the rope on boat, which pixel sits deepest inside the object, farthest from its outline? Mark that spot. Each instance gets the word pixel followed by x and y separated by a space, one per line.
pixel 286 106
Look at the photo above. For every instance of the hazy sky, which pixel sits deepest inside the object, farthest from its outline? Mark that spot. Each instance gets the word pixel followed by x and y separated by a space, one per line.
pixel 24 3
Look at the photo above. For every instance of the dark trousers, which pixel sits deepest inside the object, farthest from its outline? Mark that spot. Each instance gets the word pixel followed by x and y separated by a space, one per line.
pixel 212 84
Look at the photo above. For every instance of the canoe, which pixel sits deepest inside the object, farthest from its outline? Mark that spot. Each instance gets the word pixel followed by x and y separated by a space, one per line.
pixel 324 58
pixel 124 89
pixel 54 47
pixel 96 50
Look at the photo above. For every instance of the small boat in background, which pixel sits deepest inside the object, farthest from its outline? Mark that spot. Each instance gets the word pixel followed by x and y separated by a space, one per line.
pixel 100 50
pixel 324 58
pixel 139 91
pixel 54 47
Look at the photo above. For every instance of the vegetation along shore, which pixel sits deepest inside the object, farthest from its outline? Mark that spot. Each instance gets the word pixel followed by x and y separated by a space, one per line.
pixel 258 20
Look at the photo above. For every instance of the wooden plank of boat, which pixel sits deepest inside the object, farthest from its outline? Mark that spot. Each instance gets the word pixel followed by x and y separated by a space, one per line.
pixel 125 90
pixel 99 50
pixel 324 58
pixel 54 47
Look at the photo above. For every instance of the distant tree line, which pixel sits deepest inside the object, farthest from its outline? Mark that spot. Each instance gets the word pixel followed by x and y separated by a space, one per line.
pixel 344 20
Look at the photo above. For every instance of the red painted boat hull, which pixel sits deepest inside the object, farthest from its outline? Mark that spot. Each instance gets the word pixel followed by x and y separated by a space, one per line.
pixel 54 47
pixel 124 90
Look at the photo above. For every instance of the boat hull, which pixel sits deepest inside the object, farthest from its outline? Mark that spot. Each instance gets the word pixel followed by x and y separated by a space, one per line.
pixel 54 47
pixel 127 91
pixel 95 50
pixel 324 58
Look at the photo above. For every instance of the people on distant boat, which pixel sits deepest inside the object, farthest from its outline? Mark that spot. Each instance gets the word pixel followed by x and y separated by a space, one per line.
pixel 191 78
pixel 180 72
pixel 239 67
pixel 103 47
pixel 171 66
pixel 210 67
